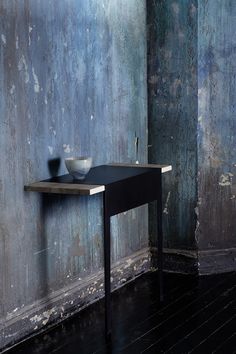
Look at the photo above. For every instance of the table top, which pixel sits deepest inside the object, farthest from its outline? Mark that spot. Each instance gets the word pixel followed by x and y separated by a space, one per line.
pixel 95 181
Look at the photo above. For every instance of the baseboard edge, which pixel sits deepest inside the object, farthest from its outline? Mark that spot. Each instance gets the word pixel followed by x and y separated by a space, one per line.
pixel 61 304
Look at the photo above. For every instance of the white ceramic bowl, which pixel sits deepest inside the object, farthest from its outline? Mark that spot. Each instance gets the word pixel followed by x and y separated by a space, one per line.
pixel 78 167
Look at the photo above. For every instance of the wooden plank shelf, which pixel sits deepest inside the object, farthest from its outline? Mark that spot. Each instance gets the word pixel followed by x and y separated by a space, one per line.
pixel 65 188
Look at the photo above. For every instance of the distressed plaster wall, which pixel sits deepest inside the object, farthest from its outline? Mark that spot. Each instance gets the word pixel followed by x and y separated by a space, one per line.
pixel 191 79
pixel 172 104
pixel 217 134
pixel 72 82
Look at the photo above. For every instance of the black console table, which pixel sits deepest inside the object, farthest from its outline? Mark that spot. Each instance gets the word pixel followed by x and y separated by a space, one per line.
pixel 124 186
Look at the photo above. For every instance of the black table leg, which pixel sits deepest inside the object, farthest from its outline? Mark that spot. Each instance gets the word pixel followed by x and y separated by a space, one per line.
pixel 107 269
pixel 160 239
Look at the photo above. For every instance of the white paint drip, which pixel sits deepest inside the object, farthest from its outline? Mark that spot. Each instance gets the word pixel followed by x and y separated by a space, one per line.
pixel 200 118
pixel 45 100
pixel 17 42
pixel 91 117
pixel 36 81
pixel 23 66
pixel 12 89
pixel 3 37
pixel 226 179
pixel 50 148
pixel 30 30
pixel 165 211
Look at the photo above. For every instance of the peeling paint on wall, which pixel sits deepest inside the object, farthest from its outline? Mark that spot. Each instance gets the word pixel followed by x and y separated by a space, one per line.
pixel 173 114
pixel 165 211
pixel 216 132
pixel 22 66
pixel 226 179
pixel 65 90
pixel 36 81
pixel 3 38
pixel 67 149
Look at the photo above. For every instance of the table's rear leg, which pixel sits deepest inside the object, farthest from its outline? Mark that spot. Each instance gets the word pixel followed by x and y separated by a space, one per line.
pixel 107 269
pixel 160 239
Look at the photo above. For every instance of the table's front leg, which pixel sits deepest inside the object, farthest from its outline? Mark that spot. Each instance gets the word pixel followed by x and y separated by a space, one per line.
pixel 107 268
pixel 160 238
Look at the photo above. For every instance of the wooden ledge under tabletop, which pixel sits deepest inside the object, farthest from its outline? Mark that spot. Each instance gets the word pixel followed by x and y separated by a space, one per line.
pixel 64 188
pixel 124 187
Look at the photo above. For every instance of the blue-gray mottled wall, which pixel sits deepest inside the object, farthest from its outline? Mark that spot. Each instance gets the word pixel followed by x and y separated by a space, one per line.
pixel 217 122
pixel 217 127
pixel 72 82
pixel 172 82
pixel 192 125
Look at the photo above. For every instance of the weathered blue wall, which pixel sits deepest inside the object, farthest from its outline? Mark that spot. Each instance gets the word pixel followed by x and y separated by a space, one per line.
pixel 217 128
pixel 72 82
pixel 192 95
pixel 172 83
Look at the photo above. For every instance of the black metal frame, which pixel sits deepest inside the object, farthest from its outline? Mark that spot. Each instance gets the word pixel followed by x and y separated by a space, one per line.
pixel 122 196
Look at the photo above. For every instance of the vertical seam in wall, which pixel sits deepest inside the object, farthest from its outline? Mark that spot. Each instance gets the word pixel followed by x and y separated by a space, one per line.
pixel 197 224
pixel 146 74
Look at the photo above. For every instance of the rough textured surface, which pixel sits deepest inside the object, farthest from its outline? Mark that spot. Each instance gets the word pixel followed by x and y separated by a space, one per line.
pixel 217 125
pixel 73 82
pixel 70 299
pixel 172 88
pixel 192 47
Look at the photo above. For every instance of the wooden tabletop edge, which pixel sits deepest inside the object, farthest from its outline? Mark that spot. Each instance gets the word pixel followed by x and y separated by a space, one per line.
pixel 53 187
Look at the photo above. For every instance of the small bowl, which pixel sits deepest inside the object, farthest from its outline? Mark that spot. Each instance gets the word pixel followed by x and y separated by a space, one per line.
pixel 78 167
